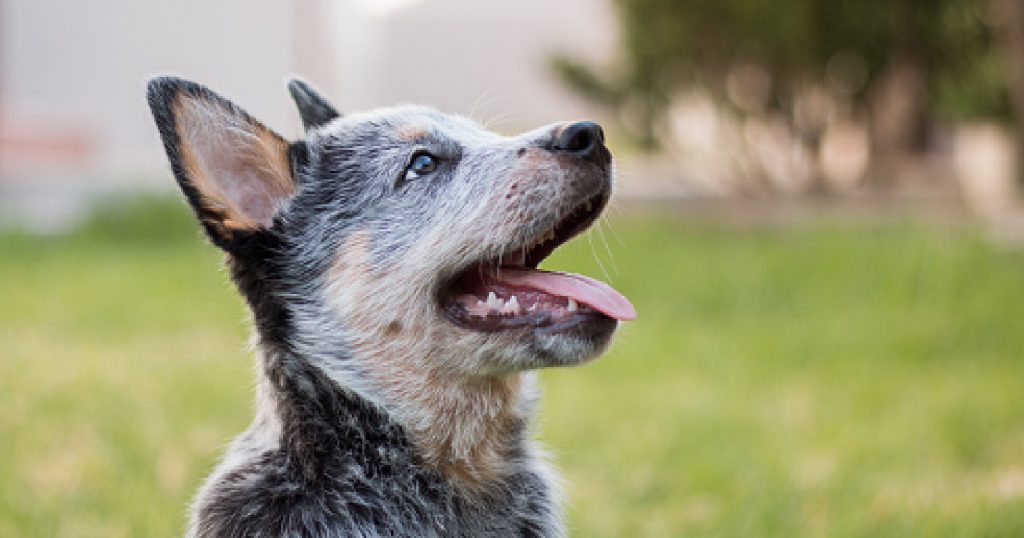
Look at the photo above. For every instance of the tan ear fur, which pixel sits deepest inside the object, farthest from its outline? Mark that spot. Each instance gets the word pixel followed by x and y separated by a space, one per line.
pixel 239 168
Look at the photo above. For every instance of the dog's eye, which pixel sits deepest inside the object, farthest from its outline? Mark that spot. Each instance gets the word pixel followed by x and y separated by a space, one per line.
pixel 422 163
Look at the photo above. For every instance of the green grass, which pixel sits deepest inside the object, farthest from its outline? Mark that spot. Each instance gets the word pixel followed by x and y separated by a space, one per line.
pixel 827 380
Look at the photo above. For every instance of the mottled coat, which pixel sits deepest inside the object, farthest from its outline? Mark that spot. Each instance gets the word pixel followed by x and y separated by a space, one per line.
pixel 377 414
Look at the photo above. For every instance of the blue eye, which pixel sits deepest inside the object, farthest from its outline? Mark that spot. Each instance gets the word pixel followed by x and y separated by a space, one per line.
pixel 422 163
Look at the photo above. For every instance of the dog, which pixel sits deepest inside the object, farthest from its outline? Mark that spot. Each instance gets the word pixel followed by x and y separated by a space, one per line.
pixel 389 259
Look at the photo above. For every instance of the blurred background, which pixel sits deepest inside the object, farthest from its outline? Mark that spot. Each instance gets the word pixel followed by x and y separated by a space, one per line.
pixel 818 217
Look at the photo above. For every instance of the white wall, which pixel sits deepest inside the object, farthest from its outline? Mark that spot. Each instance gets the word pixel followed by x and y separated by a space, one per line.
pixel 78 66
pixel 485 57
pixel 81 65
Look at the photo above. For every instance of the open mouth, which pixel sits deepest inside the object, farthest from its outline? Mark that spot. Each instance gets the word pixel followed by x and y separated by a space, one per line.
pixel 509 291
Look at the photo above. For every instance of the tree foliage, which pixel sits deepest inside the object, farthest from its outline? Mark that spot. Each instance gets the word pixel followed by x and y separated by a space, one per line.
pixel 847 46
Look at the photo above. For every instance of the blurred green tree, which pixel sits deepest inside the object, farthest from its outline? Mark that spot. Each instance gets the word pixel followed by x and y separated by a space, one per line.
pixel 901 65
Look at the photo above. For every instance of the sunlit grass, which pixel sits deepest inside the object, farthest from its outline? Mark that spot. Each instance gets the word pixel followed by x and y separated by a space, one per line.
pixel 828 380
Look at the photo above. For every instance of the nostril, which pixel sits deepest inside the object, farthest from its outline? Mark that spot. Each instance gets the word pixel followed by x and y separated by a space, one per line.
pixel 580 140
pixel 583 137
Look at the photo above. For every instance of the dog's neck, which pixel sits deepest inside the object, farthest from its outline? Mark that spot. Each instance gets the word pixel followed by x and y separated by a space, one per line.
pixel 471 431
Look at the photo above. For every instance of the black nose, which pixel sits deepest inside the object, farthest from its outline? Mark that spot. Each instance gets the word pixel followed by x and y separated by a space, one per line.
pixel 583 138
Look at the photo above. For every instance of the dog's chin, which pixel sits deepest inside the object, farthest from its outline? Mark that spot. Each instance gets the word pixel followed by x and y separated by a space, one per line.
pixel 579 342
pixel 573 343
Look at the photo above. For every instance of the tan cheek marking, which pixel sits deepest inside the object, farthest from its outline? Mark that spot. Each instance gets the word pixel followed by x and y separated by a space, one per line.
pixel 366 296
pixel 351 257
pixel 350 278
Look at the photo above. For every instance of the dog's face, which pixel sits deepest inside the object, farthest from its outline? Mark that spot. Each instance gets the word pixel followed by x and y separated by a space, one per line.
pixel 402 232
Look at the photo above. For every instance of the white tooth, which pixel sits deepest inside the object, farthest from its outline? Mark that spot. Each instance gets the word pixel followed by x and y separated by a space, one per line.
pixel 512 306
pixel 493 302
pixel 572 307
pixel 532 307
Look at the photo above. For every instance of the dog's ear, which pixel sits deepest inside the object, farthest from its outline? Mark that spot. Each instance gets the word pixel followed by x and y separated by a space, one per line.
pixel 235 172
pixel 313 107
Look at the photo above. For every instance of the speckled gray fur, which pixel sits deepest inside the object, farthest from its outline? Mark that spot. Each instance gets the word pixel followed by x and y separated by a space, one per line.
pixel 357 365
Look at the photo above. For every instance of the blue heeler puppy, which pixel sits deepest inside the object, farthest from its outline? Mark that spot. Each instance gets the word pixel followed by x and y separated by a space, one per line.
pixel 390 262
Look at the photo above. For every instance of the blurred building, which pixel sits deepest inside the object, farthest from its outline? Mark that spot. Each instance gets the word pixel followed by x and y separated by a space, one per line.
pixel 72 73
pixel 73 118
pixel 488 59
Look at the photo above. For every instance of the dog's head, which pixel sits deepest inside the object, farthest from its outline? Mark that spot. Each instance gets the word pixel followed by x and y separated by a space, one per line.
pixel 403 230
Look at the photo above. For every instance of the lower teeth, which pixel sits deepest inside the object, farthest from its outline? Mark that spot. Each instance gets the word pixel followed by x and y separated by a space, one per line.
pixel 497 306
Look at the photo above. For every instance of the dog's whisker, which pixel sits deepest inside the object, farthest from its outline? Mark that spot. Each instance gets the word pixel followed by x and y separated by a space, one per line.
pixel 483 100
pixel 599 228
pixel 593 252
pixel 497 119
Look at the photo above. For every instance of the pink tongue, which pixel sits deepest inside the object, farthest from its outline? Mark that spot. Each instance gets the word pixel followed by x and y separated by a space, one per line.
pixel 594 293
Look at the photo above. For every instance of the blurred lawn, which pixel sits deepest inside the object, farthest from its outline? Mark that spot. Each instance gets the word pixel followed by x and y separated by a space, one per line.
pixel 828 380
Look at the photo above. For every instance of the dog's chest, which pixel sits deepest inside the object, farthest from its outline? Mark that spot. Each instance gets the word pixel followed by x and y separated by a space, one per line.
pixel 377 495
pixel 343 468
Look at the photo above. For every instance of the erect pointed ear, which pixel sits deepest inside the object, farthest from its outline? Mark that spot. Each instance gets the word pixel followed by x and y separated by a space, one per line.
pixel 235 172
pixel 313 107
